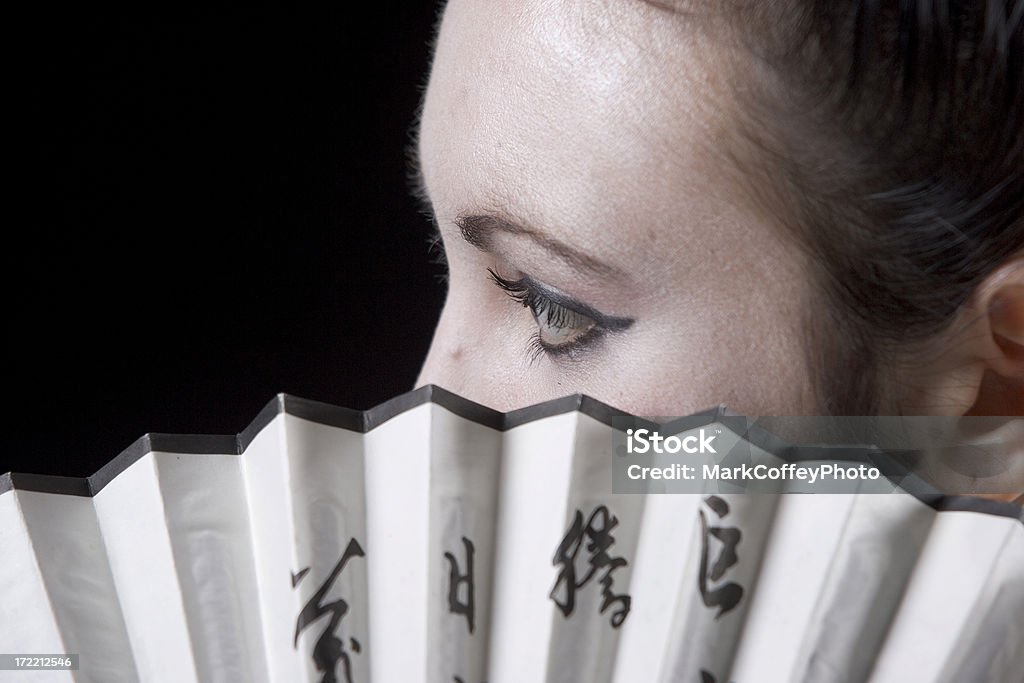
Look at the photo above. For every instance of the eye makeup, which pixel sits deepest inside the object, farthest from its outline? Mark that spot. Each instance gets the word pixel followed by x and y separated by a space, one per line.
pixel 566 326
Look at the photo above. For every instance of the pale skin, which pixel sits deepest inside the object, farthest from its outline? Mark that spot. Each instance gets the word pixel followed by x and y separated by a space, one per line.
pixel 575 149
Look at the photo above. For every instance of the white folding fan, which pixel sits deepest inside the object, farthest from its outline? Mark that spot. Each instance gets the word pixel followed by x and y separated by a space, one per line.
pixel 433 540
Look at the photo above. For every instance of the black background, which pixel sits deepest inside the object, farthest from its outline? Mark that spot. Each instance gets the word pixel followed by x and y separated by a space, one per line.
pixel 210 208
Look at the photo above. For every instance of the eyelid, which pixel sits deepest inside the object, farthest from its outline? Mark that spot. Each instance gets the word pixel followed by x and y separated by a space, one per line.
pixel 607 322
pixel 540 297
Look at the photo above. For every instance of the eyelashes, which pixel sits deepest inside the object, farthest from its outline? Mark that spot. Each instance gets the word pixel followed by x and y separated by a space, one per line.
pixel 565 327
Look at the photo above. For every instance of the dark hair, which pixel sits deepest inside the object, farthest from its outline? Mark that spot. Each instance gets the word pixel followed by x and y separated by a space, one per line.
pixel 888 137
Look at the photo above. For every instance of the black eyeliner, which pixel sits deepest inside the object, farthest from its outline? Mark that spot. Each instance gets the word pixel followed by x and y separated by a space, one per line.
pixel 610 323
pixel 549 302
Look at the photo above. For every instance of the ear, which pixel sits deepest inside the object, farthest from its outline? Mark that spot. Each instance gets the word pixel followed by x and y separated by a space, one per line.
pixel 976 367
pixel 1002 389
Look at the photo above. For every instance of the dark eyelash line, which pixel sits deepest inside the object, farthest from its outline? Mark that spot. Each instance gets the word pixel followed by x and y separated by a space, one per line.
pixel 560 312
pixel 530 293
pixel 532 299
pixel 521 292
pixel 537 348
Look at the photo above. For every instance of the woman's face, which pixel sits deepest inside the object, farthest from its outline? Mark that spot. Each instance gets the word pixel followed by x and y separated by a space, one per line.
pixel 577 150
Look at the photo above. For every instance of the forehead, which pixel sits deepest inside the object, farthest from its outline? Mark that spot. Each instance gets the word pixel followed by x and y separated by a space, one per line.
pixel 554 108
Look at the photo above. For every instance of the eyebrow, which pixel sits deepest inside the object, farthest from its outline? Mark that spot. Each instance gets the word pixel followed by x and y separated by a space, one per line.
pixel 479 230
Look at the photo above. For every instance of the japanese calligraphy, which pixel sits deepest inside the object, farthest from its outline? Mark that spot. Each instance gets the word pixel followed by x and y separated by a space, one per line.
pixel 597 532
pixel 706 677
pixel 329 649
pixel 727 595
pixel 457 580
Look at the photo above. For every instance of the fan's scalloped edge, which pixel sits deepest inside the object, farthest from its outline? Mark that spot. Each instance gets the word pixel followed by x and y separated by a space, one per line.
pixel 363 421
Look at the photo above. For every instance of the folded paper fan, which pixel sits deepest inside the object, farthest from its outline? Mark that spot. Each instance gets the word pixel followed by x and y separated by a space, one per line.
pixel 431 539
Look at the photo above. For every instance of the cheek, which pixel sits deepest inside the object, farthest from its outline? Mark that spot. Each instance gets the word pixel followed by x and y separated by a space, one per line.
pixel 689 362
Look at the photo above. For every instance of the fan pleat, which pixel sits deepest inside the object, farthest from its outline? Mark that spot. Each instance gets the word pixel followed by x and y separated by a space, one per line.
pixel 438 548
